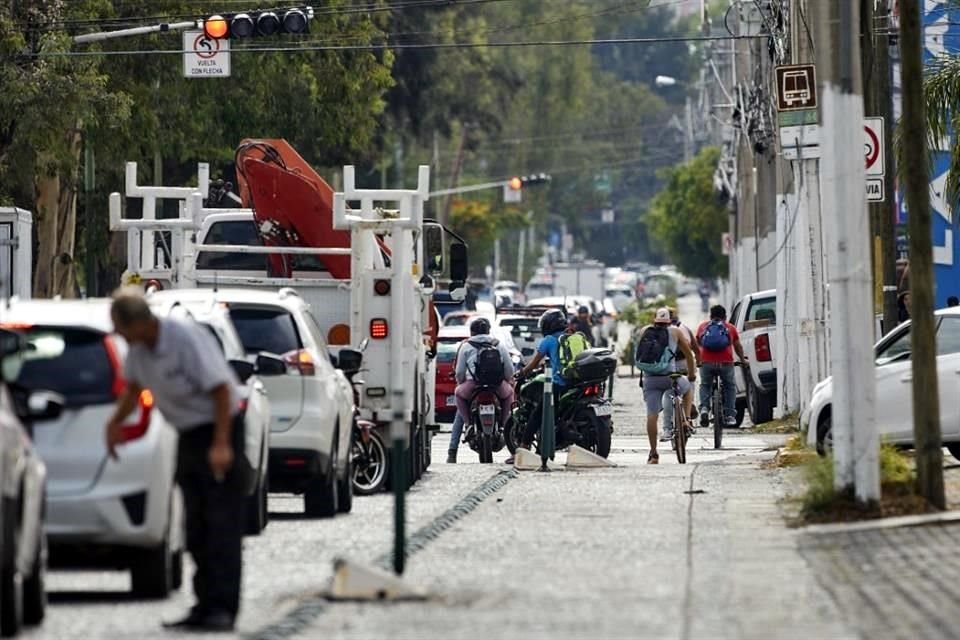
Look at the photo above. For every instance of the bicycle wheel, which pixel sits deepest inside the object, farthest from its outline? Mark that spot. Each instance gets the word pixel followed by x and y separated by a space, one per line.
pixel 679 429
pixel 718 417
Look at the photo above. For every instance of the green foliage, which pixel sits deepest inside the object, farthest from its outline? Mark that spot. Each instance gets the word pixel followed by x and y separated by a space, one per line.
pixel 819 493
pixel 687 220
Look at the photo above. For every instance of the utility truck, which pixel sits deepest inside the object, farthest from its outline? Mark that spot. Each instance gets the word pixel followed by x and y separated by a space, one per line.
pixel 366 261
pixel 16 253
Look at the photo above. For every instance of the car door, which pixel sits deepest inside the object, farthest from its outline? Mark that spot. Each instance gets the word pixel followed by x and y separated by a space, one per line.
pixel 894 378
pixel 337 389
pixel 738 371
pixel 948 374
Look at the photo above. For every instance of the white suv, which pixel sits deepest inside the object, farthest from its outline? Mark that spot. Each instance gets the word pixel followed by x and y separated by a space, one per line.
pixel 311 404
pixel 100 511
pixel 254 401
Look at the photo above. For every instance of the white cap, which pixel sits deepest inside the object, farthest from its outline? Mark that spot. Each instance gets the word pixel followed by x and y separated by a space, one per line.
pixel 662 316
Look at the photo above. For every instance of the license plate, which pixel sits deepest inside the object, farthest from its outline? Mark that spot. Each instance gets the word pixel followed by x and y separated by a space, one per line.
pixel 602 410
pixel 487 409
pixel 451 401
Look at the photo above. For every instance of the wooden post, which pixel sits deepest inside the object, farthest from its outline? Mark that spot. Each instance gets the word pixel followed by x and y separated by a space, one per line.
pixel 923 354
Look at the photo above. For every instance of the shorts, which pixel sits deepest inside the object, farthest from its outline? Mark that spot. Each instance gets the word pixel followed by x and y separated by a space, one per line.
pixel 655 386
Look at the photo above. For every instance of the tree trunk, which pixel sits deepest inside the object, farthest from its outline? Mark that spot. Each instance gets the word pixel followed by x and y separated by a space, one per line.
pixel 56 204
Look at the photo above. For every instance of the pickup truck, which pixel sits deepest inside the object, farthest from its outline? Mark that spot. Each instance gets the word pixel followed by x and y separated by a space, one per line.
pixel 755 318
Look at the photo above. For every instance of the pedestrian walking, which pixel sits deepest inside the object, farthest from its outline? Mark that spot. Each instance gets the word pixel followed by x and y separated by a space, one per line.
pixel 195 389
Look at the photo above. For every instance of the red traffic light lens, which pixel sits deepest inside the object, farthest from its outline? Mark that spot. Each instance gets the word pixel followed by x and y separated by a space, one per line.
pixel 216 27
pixel 516 184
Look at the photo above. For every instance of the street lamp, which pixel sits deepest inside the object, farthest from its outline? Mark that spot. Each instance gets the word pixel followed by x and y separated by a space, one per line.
pixel 686 130
pixel 665 81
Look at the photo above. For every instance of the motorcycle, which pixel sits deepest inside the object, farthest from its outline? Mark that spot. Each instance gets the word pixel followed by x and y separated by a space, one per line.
pixel 583 414
pixel 484 433
pixel 368 451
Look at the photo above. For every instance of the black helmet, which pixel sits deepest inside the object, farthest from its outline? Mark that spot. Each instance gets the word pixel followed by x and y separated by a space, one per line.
pixel 479 327
pixel 552 321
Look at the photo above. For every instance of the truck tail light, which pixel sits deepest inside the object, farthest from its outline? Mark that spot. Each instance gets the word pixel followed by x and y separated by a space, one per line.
pixel 139 428
pixel 339 335
pixel 301 361
pixel 381 287
pixel 379 329
pixel 762 347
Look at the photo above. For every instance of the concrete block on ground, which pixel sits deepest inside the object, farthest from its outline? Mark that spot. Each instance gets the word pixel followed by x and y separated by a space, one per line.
pixel 580 458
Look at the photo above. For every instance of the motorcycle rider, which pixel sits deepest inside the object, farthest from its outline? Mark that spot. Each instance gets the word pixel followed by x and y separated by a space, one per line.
pixel 466 373
pixel 553 324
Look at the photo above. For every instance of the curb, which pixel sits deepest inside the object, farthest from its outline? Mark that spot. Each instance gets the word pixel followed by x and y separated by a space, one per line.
pixel 944 517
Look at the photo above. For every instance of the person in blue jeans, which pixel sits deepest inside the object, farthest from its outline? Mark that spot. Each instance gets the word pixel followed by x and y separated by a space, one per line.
pixel 456 432
pixel 553 324
pixel 718 340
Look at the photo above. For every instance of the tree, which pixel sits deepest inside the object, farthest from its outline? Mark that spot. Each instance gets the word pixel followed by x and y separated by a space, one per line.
pixel 686 219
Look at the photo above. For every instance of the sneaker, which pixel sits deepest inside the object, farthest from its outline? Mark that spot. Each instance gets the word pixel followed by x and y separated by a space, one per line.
pixel 667 435
pixel 704 419
pixel 451 457
pixel 509 460
pixel 730 421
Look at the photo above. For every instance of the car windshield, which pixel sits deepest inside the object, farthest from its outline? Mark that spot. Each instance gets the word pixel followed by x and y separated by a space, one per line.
pixel 898 348
pixel 68 361
pixel 527 325
pixel 244 232
pixel 763 309
pixel 266 329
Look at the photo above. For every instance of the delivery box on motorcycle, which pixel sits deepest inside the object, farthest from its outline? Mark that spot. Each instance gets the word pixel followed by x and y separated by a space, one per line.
pixel 593 365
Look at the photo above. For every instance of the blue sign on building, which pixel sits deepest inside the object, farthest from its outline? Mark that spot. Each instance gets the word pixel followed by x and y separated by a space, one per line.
pixel 941 24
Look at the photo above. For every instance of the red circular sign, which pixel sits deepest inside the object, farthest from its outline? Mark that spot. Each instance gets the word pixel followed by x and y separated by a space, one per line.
pixel 205 48
pixel 871 149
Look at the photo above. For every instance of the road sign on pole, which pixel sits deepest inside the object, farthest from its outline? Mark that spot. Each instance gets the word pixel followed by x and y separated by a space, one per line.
pixel 205 57
pixel 873 146
pixel 796 87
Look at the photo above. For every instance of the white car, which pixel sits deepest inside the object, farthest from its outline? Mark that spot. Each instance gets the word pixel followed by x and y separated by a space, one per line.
pixel 312 403
pixel 254 401
pixel 524 330
pixel 103 512
pixel 23 547
pixel 894 400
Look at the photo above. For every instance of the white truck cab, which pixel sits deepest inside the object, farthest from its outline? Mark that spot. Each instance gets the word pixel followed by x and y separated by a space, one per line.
pixel 755 318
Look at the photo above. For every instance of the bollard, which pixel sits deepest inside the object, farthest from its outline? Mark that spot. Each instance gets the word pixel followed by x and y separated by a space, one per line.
pixel 399 478
pixel 546 424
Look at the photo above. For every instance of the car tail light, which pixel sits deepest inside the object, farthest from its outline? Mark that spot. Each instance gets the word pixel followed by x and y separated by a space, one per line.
pixel 379 329
pixel 139 428
pixel 762 347
pixel 301 360
pixel 116 365
pixel 243 404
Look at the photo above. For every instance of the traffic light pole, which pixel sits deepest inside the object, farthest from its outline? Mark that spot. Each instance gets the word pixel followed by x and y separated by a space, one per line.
pixel 100 36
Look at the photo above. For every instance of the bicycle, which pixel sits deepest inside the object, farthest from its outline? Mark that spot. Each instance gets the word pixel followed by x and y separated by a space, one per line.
pixel 715 407
pixel 680 421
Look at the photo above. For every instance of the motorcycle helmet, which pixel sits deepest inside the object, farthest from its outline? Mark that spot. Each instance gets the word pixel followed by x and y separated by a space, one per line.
pixel 480 327
pixel 553 321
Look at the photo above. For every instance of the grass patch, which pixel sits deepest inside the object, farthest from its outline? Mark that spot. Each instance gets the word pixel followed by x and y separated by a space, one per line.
pixel 821 502
pixel 789 423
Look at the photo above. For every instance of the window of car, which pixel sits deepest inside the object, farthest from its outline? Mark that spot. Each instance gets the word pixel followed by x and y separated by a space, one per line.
pixel 527 325
pixel 236 232
pixel 763 309
pixel 216 336
pixel 894 349
pixel 447 351
pixel 71 362
pixel 948 335
pixel 315 331
pixel 271 329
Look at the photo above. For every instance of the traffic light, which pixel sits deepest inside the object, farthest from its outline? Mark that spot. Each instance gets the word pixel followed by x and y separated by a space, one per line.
pixel 518 182
pixel 252 24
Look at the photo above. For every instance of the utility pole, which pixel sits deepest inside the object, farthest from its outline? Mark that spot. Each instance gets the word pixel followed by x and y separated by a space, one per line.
pixel 856 444
pixel 926 400
pixel 878 102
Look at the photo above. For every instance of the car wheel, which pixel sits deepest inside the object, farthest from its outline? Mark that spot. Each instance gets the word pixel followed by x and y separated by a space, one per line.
pixel 256 514
pixel 759 404
pixel 320 500
pixel 34 589
pixel 11 581
pixel 151 574
pixel 741 410
pixel 345 490
pixel 825 435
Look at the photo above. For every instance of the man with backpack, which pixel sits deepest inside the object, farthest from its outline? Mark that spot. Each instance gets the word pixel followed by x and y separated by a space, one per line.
pixel 656 356
pixel 718 339
pixel 483 362
pixel 667 435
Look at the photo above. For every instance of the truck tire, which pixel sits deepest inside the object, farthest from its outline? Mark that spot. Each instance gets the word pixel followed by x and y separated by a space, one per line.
pixel 11 581
pixel 34 589
pixel 759 404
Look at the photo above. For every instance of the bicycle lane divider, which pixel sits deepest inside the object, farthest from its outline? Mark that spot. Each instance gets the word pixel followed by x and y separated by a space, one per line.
pixel 300 618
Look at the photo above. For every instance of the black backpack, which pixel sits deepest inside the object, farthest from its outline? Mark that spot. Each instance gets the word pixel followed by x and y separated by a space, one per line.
pixel 653 354
pixel 488 367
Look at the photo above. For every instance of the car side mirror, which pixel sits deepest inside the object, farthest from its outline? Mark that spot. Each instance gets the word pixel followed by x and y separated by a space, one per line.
pixel 349 360
pixel 45 405
pixel 459 269
pixel 268 364
pixel 433 241
pixel 12 347
pixel 243 369
pixel 458 291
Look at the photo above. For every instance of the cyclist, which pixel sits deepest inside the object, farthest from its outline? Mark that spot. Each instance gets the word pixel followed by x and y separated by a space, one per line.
pixel 658 342
pixel 553 324
pixel 667 435
pixel 718 339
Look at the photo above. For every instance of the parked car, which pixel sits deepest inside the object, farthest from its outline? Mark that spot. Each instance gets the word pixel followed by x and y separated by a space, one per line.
pixel 23 543
pixel 894 400
pixel 254 400
pixel 448 343
pixel 101 512
pixel 755 317
pixel 311 404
